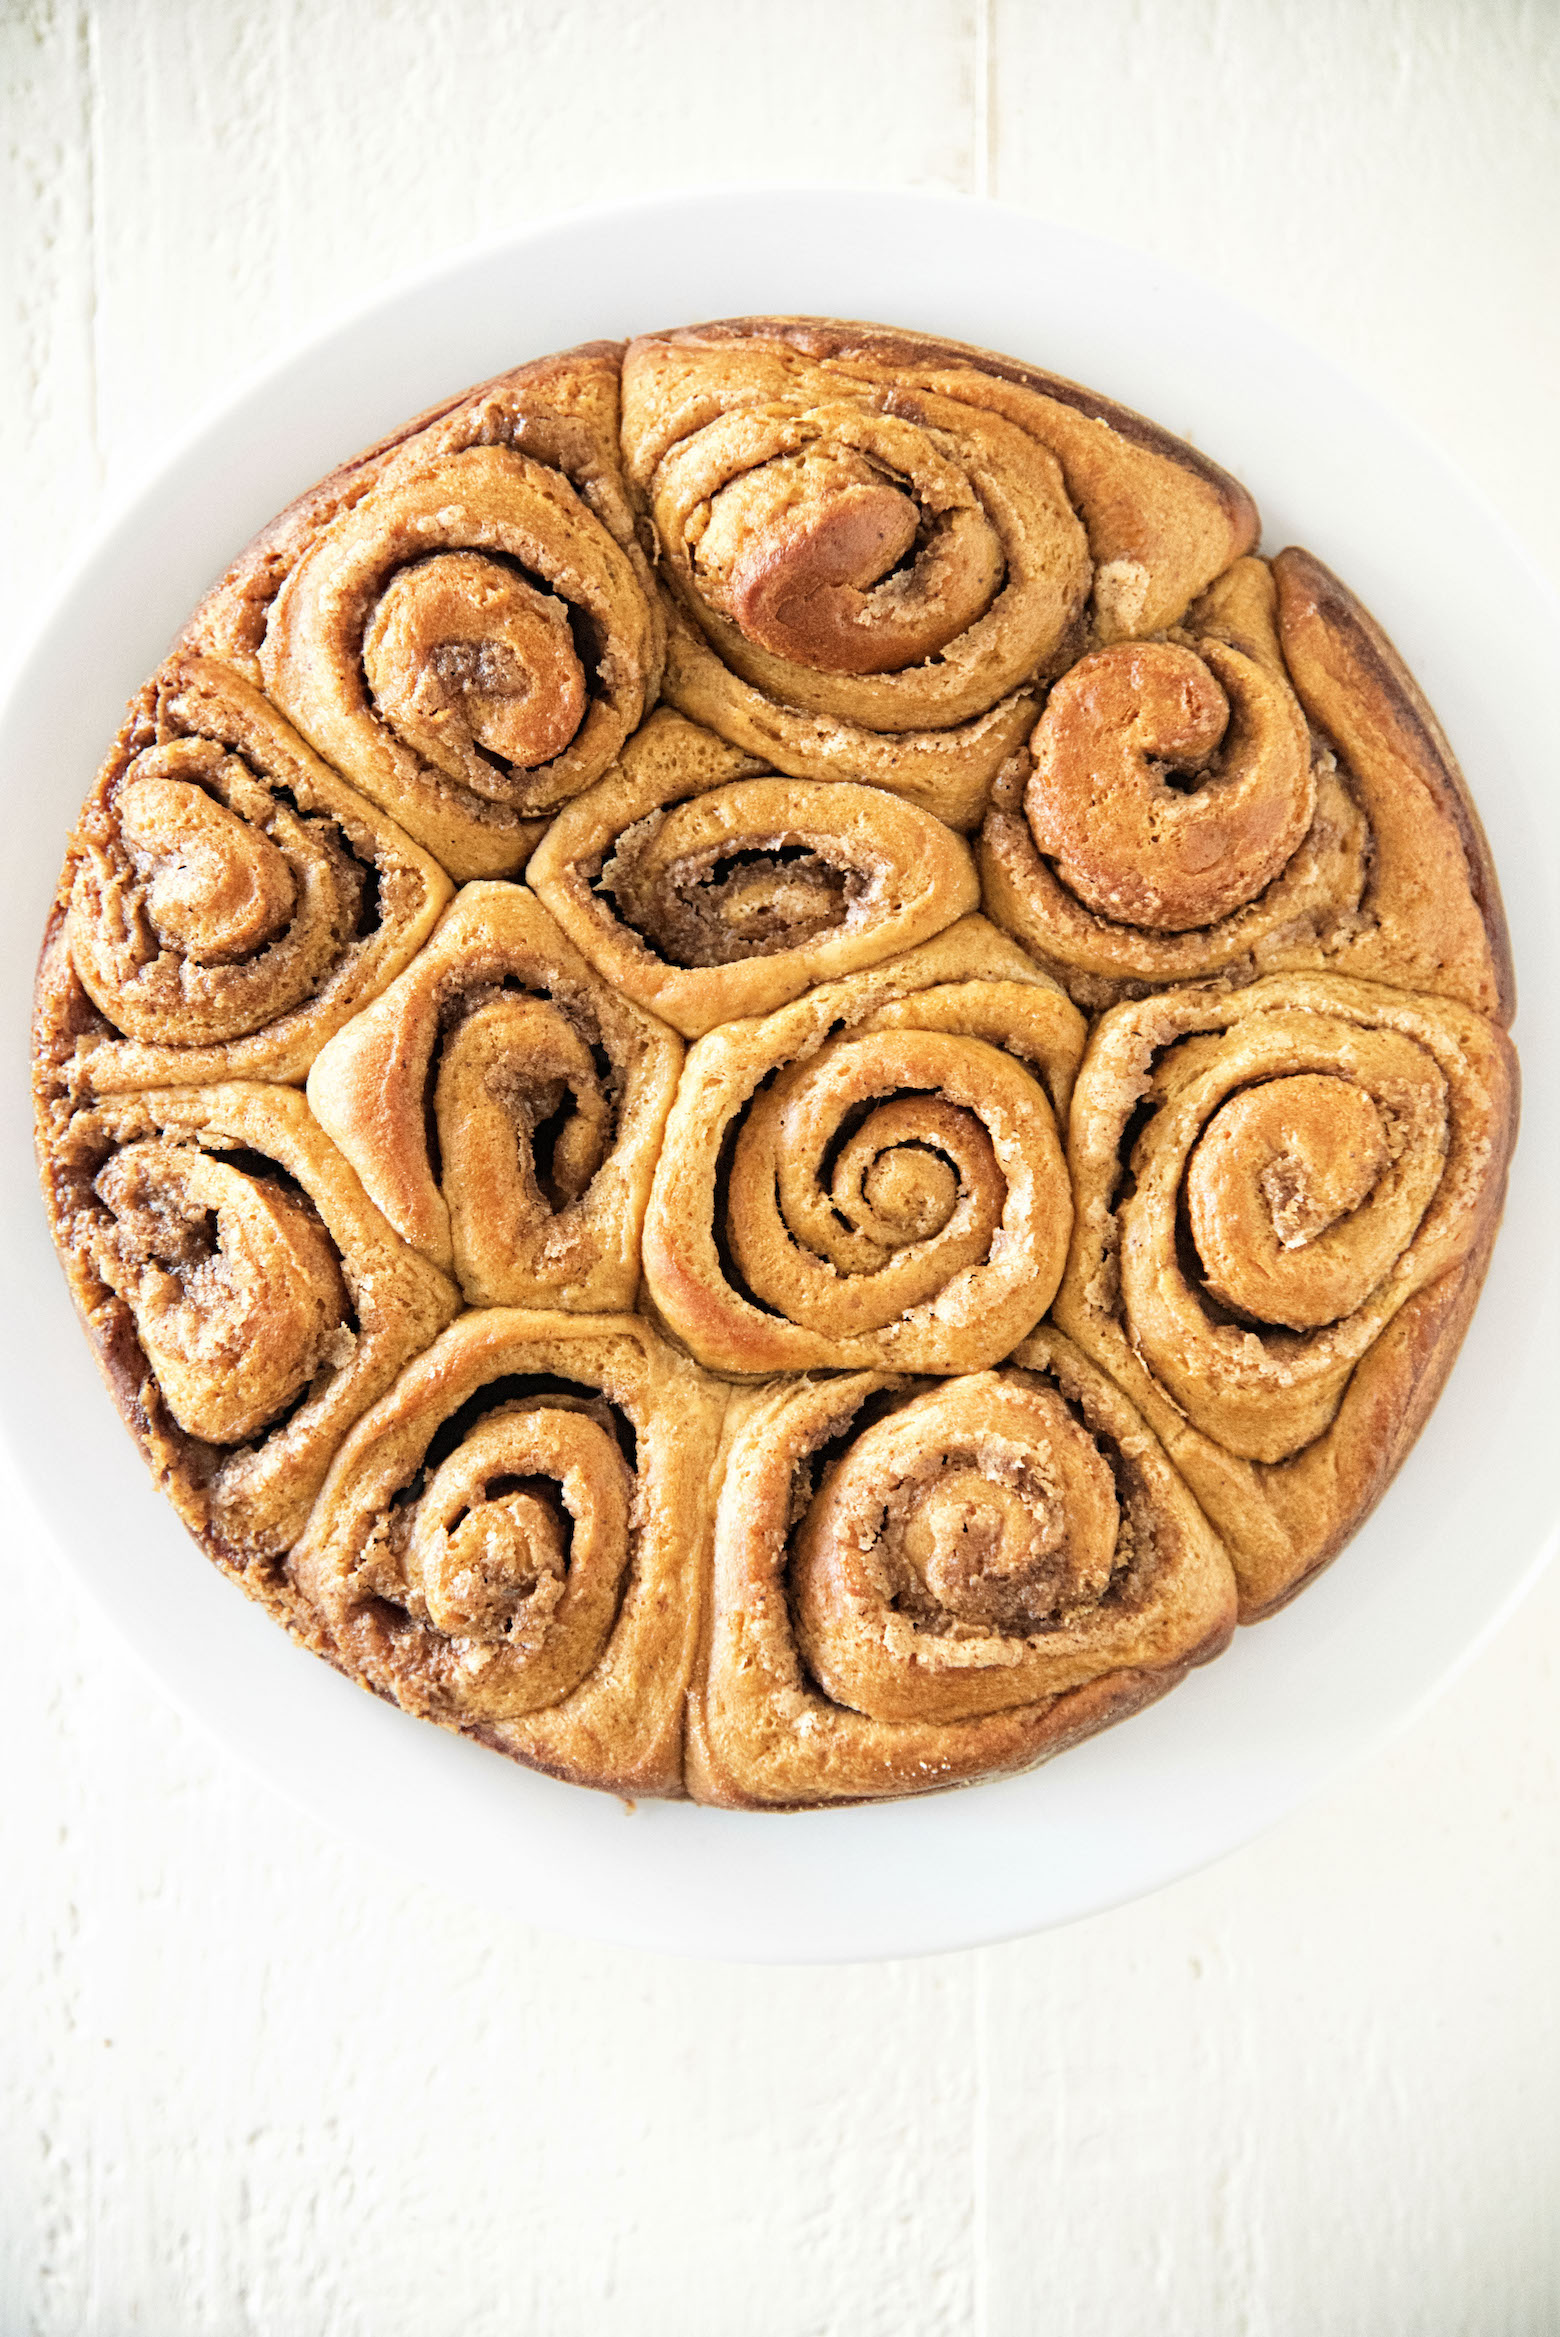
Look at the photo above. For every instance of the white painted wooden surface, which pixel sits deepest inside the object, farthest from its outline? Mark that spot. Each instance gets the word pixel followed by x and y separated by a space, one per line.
pixel 250 2081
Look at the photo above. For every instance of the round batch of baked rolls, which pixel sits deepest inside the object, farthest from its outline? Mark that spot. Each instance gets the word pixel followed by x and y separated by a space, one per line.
pixel 763 1076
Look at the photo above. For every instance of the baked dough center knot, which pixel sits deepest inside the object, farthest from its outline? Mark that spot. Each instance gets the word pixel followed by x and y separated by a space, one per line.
pixel 1170 786
pixel 217 888
pixel 830 559
pixel 471 665
pixel 522 1532
pixel 235 1286
pixel 1276 1189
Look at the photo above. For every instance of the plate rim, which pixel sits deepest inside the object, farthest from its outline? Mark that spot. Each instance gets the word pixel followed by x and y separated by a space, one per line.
pixel 712 1929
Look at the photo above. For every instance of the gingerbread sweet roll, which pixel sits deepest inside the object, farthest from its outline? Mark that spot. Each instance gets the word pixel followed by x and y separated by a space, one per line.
pixel 503 1106
pixel 465 625
pixel 872 1174
pixel 1286 1198
pixel 877 545
pixel 513 1543
pixel 226 904
pixel 706 887
pixel 984 1366
pixel 918 1585
pixel 1261 789
pixel 246 1300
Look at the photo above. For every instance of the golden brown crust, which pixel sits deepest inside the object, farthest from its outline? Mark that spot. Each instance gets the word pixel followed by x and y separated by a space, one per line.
pixel 1286 1410
pixel 503 1107
pixel 447 1553
pixel 1107 1630
pixel 832 337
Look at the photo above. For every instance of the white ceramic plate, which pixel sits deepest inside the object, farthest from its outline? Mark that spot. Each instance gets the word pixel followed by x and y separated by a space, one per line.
pixel 1468 1522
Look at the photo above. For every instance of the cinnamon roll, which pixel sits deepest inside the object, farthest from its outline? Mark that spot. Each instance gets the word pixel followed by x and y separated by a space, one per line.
pixel 706 887
pixel 227 903
pixel 878 545
pixel 984 1366
pixel 512 1543
pixel 1286 1196
pixel 503 1107
pixel 1261 789
pixel 246 1300
pixel 919 1585
pixel 462 623
pixel 872 1174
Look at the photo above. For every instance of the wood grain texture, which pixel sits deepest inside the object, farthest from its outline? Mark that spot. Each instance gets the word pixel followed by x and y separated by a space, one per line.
pixel 253 2082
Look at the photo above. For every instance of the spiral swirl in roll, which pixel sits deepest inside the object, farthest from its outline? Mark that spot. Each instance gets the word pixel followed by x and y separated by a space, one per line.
pixel 469 635
pixel 247 1301
pixel 503 1107
pixel 872 1174
pixel 878 545
pixel 1174 815
pixel 706 888
pixel 1281 1223
pixel 227 904
pixel 916 1586
pixel 510 1543
pixel 560 410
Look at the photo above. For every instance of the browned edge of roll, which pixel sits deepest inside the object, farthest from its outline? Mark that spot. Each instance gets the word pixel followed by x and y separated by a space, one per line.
pixel 1310 594
pixel 825 338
